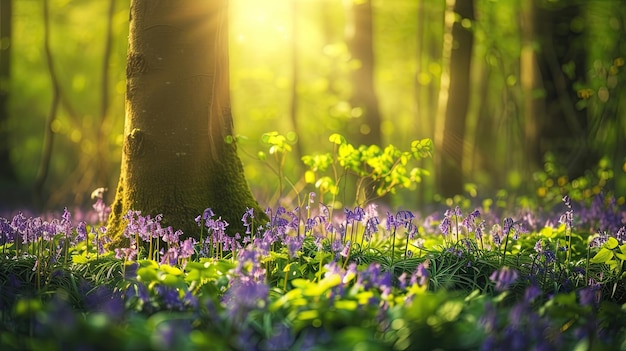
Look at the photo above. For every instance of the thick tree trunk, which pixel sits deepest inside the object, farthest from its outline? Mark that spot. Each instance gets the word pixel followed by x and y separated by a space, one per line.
pixel 454 102
pixel 176 160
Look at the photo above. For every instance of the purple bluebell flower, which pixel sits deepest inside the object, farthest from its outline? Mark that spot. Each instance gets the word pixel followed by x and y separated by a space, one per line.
pixel 507 226
pixel 421 274
pixel 503 278
pixel 247 219
pixel 496 234
pixel 346 249
pixel 81 231
pixel 169 296
pixel 294 244
pixel 601 238
pixel 531 293
pixel 444 226
pixel 128 253
pixel 243 296
pixel 390 224
pixel 187 248
pixel 590 296
pixel 621 235
pixel 6 232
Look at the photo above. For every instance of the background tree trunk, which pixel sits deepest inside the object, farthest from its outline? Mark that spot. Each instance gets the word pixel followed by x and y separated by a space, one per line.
pixel 7 173
pixel 454 102
pixel 176 160
pixel 562 61
pixel 360 44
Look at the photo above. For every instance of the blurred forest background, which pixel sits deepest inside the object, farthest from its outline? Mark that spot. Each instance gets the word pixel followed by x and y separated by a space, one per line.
pixel 505 88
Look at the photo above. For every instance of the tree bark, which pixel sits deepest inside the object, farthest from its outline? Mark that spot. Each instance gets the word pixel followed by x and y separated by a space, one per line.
pixel 360 42
pixel 562 62
pixel 454 102
pixel 7 173
pixel 176 160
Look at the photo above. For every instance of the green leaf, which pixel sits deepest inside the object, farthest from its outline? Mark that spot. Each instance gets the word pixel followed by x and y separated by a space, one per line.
pixel 147 274
pixel 603 256
pixel 611 243
pixel 348 305
pixel 621 256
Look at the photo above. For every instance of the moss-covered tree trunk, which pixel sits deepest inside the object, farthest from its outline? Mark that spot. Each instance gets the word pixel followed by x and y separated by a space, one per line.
pixel 176 160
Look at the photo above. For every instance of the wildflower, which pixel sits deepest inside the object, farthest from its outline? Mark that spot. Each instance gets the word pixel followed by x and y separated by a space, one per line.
pixel 102 210
pixel 599 239
pixel 170 236
pixel 391 222
pixel 294 244
pixel 496 234
pixel 187 248
pixel 531 293
pixel 354 216
pixel 508 225
pixel 6 231
pixel 247 218
pixel 169 296
pixel 590 296
pixel 81 231
pixel 469 221
pixel 127 254
pixel 503 278
pixel 621 235
pixel 420 276
pixel 444 226
pixel 371 227
pixel 539 246
pixel 243 296
pixel 346 249
pixel 549 256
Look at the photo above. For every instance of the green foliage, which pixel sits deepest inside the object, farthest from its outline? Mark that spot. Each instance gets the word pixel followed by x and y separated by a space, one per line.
pixel 378 171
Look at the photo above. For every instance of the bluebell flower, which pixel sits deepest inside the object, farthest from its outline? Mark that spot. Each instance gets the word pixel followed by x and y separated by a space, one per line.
pixel 170 257
pixel 503 278
pixel 281 338
pixel 444 226
pixel 294 244
pixel 243 296
pixel 187 248
pixel 346 249
pixel 507 226
pixel 247 219
pixel 7 233
pixel 421 274
pixel 496 234
pixel 621 235
pixel 81 231
pixel 539 246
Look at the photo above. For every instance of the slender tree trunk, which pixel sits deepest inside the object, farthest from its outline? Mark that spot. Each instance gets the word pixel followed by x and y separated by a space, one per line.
pixel 102 161
pixel 176 160
pixel 48 137
pixel 360 42
pixel 454 101
pixel 295 79
pixel 533 108
pixel 7 173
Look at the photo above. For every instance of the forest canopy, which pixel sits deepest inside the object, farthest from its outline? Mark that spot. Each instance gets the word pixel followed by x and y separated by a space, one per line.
pixel 542 89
